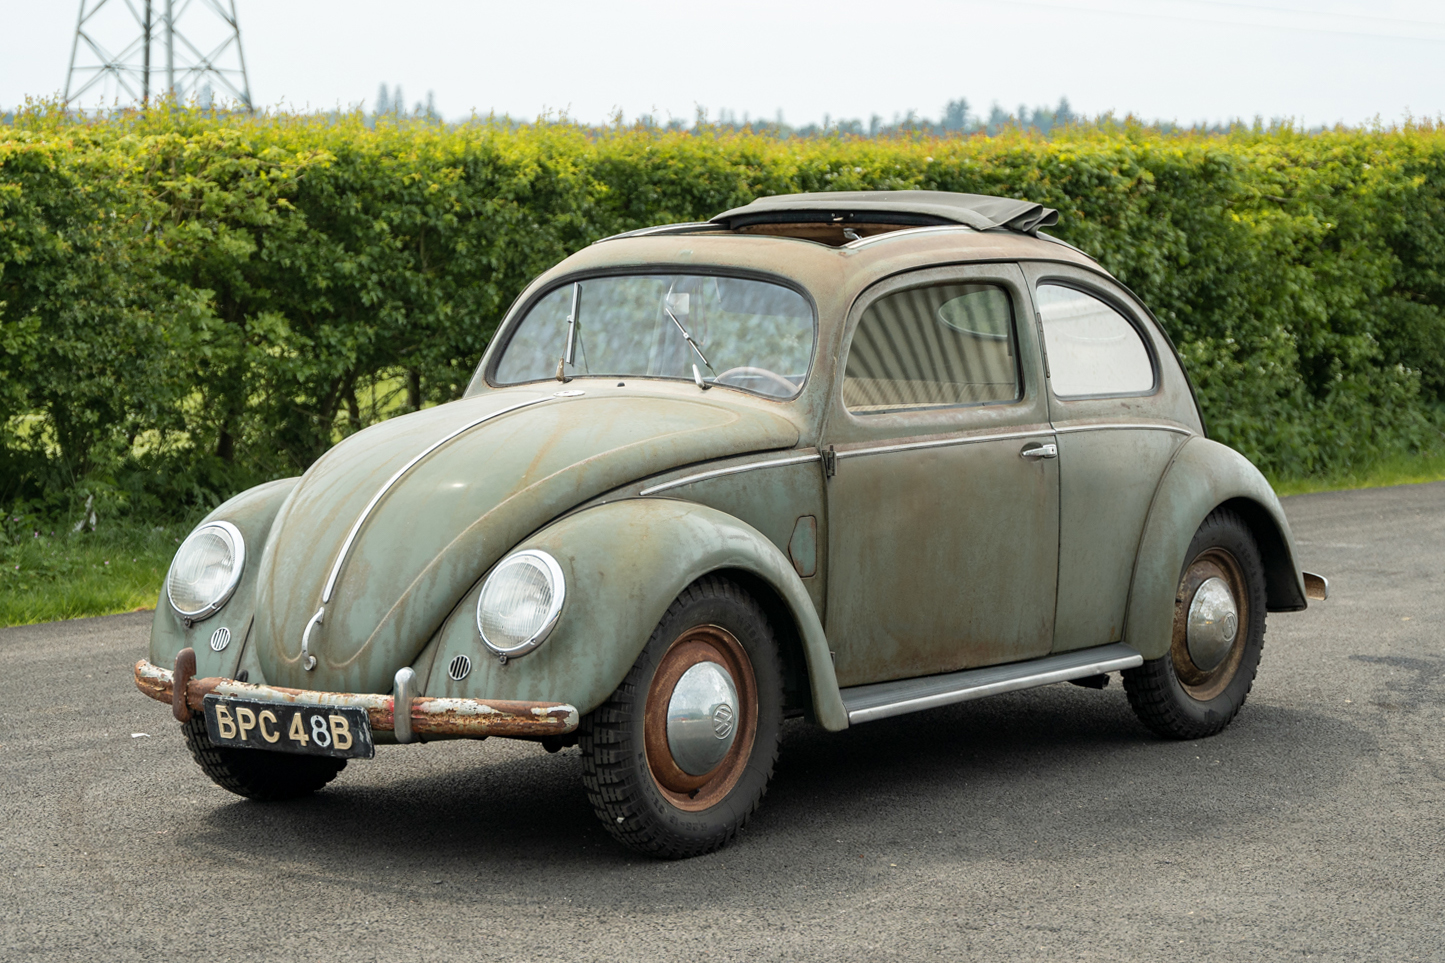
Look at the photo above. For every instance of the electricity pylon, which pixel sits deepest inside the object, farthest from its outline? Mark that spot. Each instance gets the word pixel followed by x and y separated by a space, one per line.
pixel 206 58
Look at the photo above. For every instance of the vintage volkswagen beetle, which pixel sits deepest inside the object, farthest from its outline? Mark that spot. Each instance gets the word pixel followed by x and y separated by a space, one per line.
pixel 841 456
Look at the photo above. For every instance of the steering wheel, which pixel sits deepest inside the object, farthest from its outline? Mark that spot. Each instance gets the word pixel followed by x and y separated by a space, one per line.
pixel 763 373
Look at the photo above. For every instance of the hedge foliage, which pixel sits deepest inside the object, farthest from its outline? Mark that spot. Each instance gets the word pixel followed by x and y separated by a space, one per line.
pixel 191 304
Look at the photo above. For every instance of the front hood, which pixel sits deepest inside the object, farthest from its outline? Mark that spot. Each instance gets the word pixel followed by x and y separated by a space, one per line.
pixel 452 516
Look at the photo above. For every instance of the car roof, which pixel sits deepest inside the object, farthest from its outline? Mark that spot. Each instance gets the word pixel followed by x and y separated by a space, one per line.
pixel 816 266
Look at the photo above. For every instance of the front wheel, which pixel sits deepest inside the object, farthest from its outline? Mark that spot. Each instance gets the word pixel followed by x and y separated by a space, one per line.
pixel 680 755
pixel 255 773
pixel 1197 688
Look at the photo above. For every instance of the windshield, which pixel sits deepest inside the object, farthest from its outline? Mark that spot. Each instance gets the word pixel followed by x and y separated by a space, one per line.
pixel 745 334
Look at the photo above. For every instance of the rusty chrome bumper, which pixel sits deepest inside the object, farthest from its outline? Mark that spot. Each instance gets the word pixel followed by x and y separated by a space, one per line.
pixel 465 718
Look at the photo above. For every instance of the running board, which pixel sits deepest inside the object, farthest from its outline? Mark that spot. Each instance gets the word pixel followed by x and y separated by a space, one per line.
pixel 865 703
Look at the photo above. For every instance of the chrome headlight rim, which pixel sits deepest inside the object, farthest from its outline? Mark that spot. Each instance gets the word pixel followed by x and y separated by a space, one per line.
pixel 238 567
pixel 546 564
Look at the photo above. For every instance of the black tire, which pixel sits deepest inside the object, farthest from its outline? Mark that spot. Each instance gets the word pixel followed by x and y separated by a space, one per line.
pixel 1172 695
pixel 636 788
pixel 255 773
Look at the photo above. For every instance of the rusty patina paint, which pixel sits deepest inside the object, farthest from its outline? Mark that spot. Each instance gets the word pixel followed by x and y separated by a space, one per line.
pixel 567 474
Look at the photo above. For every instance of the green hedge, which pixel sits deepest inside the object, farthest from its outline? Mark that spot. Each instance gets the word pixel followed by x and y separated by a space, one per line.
pixel 191 304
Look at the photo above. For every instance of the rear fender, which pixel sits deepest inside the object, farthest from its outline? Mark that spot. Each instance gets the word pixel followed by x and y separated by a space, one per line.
pixel 625 562
pixel 1205 475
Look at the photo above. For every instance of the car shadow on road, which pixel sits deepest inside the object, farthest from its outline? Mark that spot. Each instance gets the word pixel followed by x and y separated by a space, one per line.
pixel 1048 773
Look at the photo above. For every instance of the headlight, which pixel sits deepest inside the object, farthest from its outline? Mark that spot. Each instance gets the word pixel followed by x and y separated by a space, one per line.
pixel 205 570
pixel 520 603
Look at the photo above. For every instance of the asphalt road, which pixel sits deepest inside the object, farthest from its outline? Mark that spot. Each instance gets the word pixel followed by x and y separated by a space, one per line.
pixel 1044 825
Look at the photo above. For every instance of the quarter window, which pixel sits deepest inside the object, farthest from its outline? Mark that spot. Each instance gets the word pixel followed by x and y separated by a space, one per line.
pixel 1093 349
pixel 949 344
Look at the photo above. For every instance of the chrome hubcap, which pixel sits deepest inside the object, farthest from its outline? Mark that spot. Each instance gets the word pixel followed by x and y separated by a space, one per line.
pixel 702 718
pixel 1213 623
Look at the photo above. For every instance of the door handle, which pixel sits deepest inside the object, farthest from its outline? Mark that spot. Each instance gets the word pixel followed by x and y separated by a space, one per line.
pixel 1040 451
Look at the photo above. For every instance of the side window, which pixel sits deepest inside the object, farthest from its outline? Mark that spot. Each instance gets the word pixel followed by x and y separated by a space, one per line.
pixel 949 344
pixel 1093 349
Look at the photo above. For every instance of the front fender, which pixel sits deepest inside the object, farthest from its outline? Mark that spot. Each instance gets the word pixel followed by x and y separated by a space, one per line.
pixel 625 562
pixel 252 512
pixel 1203 476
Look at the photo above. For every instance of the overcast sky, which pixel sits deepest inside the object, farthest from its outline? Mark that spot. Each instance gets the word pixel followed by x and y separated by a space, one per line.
pixel 1185 60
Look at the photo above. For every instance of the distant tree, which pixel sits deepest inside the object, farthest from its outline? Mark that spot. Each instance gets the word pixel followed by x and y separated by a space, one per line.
pixel 383 101
pixel 998 119
pixel 955 115
pixel 1064 114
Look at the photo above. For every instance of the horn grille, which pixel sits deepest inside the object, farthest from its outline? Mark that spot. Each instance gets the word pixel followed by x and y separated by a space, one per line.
pixel 459 668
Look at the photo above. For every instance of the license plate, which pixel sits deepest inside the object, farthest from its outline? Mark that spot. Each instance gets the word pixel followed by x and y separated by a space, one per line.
pixel 340 731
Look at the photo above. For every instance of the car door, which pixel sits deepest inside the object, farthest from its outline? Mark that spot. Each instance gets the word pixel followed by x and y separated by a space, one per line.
pixel 943 505
pixel 1116 401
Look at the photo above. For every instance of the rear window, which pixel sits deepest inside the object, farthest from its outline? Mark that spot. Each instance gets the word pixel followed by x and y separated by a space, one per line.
pixel 1093 349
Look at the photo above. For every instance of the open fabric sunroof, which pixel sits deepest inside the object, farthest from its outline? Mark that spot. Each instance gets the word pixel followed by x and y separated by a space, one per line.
pixel 915 208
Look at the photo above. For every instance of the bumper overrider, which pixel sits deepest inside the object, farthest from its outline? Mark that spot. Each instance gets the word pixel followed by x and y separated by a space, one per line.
pixel 465 718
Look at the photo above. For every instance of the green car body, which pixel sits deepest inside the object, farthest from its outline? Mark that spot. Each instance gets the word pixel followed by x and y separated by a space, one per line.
pixel 883 547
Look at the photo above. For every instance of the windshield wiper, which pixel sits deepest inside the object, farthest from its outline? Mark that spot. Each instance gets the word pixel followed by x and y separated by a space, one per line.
pixel 696 376
pixel 569 351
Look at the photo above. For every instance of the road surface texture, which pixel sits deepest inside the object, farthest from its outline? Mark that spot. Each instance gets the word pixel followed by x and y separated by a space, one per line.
pixel 1045 825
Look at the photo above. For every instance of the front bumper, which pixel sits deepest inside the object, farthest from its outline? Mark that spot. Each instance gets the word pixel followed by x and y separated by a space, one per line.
pixel 464 718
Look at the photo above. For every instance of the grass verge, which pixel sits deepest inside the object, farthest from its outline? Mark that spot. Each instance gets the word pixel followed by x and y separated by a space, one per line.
pixel 1403 470
pixel 51 573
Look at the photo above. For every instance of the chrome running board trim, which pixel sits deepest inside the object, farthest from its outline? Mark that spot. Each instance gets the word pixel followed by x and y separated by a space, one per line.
pixel 865 703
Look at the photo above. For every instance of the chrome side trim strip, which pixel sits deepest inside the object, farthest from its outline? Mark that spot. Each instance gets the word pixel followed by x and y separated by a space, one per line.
pixel 946 442
pixel 1124 427
pixel 376 499
pixel 865 703
pixel 731 470
pixel 1003 436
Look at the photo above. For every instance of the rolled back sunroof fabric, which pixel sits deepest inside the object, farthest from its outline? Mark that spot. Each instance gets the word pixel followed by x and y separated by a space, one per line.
pixel 979 211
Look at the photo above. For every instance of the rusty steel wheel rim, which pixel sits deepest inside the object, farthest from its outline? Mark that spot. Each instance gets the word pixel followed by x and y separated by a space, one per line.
pixel 1211 570
pixel 700 644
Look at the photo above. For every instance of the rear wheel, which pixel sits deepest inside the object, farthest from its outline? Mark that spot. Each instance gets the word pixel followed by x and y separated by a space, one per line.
pixel 1219 610
pixel 256 773
pixel 680 755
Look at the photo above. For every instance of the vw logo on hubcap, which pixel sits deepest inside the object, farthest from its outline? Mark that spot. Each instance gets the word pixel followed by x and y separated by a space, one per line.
pixel 722 720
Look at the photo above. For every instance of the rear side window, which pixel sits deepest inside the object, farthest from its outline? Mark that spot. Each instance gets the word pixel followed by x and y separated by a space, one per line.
pixel 948 344
pixel 1093 349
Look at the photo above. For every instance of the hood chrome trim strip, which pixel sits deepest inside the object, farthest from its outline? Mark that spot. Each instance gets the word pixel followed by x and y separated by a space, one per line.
pixel 731 470
pixel 390 482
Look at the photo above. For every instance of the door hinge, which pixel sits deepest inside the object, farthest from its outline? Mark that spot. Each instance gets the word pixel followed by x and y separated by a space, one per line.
pixel 830 462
